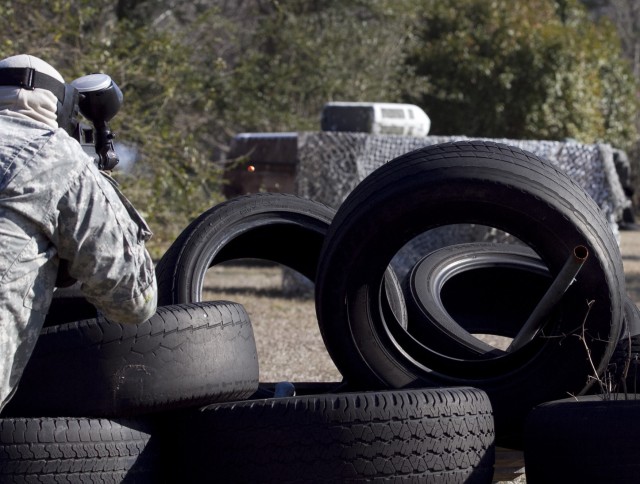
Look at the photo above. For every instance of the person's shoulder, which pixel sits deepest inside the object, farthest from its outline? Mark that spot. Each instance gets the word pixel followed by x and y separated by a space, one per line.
pixel 65 146
pixel 16 127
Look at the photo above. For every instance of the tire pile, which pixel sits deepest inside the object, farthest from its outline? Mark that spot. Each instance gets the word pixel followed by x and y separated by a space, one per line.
pixel 177 399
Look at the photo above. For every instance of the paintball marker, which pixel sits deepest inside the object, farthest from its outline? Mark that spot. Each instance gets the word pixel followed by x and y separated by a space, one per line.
pixel 100 100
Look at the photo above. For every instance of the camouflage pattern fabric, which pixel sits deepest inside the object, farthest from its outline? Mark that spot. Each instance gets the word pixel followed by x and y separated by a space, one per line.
pixel 55 204
pixel 331 164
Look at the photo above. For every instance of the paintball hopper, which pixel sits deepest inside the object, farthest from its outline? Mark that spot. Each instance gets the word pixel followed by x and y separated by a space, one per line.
pixel 100 101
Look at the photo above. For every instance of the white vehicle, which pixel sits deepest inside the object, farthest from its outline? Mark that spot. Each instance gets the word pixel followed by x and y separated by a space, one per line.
pixel 375 118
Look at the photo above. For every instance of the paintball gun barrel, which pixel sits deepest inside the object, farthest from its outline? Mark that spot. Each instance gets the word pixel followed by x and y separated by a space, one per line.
pixel 100 101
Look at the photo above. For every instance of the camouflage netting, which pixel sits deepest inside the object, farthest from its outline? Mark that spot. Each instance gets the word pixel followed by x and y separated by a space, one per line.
pixel 331 164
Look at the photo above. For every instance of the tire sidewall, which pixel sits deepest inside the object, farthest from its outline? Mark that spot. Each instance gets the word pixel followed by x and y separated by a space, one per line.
pixel 474 191
pixel 203 243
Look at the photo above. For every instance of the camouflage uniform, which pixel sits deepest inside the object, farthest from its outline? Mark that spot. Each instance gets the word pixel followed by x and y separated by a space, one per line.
pixel 55 204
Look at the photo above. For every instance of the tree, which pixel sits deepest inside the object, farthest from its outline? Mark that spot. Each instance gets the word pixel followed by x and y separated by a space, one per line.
pixel 625 15
pixel 538 69
pixel 303 54
pixel 162 87
pixel 196 73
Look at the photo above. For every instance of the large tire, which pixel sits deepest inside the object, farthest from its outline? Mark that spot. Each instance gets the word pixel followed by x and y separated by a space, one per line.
pixel 274 227
pixel 78 451
pixel 589 439
pixel 471 183
pixel 182 356
pixel 431 435
pixel 465 289
pixel 624 367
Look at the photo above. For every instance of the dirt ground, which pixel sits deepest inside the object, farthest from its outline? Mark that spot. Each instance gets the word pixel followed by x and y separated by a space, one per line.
pixel 290 347
pixel 630 249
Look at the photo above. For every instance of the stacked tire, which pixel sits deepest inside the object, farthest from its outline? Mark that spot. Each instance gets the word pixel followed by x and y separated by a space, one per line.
pixel 590 439
pixel 92 399
pixel 177 397
pixel 502 188
pixel 428 435
pixel 367 435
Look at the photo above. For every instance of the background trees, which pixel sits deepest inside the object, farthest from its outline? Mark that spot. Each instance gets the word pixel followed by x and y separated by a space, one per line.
pixel 535 70
pixel 196 73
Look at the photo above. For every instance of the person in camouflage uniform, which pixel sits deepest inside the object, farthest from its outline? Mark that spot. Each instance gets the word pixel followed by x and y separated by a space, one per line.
pixel 55 205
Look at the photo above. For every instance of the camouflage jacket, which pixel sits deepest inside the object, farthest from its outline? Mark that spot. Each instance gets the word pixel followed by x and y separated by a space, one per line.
pixel 55 204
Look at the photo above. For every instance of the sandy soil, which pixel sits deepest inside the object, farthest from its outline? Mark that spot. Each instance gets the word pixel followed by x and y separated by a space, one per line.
pixel 630 249
pixel 290 347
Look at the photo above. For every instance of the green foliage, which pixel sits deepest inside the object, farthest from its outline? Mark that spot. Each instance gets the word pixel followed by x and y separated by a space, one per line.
pixel 195 73
pixel 174 179
pixel 303 54
pixel 538 69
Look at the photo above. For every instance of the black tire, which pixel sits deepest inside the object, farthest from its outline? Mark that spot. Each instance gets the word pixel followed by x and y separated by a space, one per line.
pixel 436 435
pixel 470 183
pixel 77 450
pixel 624 367
pixel 631 317
pixel 465 289
pixel 182 356
pixel 586 439
pixel 275 227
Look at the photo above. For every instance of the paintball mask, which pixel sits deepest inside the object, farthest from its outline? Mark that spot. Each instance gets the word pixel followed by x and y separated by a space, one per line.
pixel 96 96
pixel 30 79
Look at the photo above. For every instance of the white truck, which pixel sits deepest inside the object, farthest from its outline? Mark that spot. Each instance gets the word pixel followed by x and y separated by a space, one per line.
pixel 375 118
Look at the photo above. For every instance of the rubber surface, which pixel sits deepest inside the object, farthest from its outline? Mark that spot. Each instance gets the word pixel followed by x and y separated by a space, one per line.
pixel 586 439
pixel 275 227
pixel 471 183
pixel 485 288
pixel 77 450
pixel 182 356
pixel 431 435
pixel 623 373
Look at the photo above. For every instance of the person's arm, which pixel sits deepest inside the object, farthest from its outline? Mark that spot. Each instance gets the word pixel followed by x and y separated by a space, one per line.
pixel 102 239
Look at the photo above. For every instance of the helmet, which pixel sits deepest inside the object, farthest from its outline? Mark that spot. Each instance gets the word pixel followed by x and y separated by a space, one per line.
pixel 31 88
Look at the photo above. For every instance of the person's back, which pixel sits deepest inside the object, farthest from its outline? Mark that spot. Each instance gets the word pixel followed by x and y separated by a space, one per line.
pixel 56 206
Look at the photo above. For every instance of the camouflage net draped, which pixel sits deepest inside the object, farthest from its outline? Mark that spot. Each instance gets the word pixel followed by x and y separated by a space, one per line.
pixel 331 164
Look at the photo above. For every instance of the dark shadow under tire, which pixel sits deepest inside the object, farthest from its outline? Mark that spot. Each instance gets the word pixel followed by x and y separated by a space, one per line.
pixel 184 355
pixel 69 305
pixel 429 435
pixel 586 439
pixel 624 366
pixel 78 450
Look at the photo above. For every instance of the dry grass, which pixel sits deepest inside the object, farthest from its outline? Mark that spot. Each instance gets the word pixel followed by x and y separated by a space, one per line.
pixel 630 248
